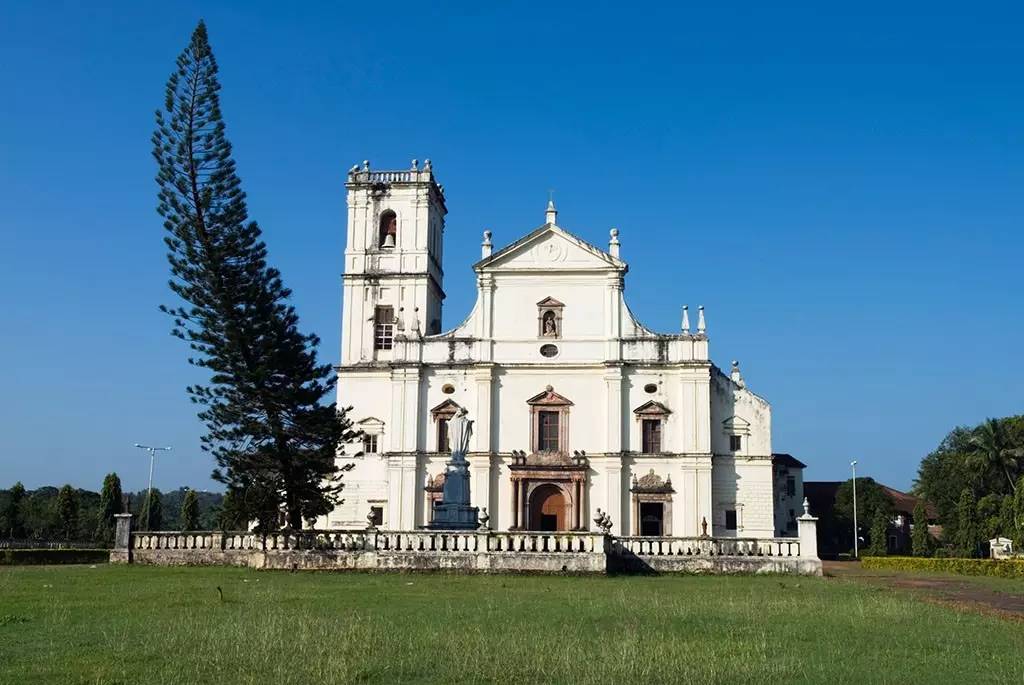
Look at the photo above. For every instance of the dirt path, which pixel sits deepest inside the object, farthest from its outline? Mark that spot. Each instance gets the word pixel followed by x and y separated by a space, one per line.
pixel 961 591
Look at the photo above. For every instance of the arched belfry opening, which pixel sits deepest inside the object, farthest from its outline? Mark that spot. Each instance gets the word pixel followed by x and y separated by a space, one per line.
pixel 388 234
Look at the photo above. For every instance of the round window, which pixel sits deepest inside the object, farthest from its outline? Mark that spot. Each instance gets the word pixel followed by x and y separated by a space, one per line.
pixel 650 388
pixel 447 388
pixel 549 350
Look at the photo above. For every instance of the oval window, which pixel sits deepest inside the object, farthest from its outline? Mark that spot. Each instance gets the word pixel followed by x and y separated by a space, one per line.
pixel 447 388
pixel 549 350
pixel 650 388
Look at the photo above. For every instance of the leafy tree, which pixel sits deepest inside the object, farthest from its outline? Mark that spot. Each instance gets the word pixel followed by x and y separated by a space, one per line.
pixel 266 427
pixel 871 499
pixel 993 453
pixel 110 504
pixel 990 520
pixel 1018 513
pixel 152 515
pixel 968 531
pixel 190 511
pixel 879 530
pixel 920 540
pixel 13 516
pixel 67 511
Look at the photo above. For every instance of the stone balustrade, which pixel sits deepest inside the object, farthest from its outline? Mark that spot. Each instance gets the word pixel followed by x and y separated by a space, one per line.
pixel 479 551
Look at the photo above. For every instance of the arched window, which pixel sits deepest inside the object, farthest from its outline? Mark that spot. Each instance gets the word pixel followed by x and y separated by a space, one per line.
pixel 388 229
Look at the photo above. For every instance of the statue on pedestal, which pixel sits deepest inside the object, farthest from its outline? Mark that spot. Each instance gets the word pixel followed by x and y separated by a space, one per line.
pixel 454 511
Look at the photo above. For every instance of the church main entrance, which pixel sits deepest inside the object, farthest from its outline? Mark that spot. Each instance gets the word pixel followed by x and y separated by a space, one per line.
pixel 548 509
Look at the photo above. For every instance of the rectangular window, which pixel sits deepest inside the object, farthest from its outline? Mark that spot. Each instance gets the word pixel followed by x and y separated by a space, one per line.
pixel 547 435
pixel 651 439
pixel 383 328
pixel 442 436
pixel 377 516
pixel 370 444
pixel 730 519
pixel 735 442
pixel 791 486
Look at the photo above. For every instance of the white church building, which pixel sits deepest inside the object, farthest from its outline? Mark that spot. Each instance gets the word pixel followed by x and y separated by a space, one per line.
pixel 576 405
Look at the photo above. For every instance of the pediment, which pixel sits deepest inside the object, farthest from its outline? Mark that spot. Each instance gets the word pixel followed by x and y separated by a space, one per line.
pixel 549 398
pixel 549 302
pixel 550 248
pixel 652 408
pixel 370 421
pixel 448 407
pixel 736 424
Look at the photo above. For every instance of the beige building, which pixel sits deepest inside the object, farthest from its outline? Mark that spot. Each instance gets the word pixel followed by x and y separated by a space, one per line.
pixel 576 405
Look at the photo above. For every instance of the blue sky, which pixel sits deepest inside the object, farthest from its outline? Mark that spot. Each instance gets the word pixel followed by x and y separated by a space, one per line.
pixel 841 190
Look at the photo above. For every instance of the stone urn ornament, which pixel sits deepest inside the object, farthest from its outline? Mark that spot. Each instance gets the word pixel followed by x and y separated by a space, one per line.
pixel 484 518
pixel 369 521
pixel 604 522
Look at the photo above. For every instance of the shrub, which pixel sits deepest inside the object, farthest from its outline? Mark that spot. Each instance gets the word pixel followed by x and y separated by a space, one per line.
pixel 24 557
pixel 1003 568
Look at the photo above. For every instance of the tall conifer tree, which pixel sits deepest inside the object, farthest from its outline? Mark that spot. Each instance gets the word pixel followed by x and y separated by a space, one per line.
pixel 275 443
pixel 190 511
pixel 110 504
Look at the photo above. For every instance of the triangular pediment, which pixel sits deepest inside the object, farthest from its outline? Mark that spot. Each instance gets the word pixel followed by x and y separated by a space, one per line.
pixel 370 421
pixel 652 408
pixel 736 424
pixel 446 407
pixel 550 248
pixel 549 398
pixel 550 302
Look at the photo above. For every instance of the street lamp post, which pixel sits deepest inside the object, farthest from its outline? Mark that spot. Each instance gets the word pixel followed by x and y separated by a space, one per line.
pixel 856 551
pixel 149 492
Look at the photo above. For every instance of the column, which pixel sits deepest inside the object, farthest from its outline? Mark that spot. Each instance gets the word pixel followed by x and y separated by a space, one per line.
pixel 613 494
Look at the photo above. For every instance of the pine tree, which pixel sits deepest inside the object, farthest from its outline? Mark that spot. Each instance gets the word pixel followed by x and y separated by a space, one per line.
pixel 967 531
pixel 920 540
pixel 110 504
pixel 879 530
pixel 67 511
pixel 13 513
pixel 266 427
pixel 152 515
pixel 190 511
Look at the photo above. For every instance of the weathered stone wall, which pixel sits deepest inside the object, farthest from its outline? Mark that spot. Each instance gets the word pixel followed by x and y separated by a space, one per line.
pixel 471 552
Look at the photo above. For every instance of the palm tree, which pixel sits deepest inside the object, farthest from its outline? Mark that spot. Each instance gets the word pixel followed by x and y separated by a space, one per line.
pixel 992 450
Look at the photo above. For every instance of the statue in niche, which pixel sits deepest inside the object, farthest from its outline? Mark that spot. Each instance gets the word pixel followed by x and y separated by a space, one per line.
pixel 549 325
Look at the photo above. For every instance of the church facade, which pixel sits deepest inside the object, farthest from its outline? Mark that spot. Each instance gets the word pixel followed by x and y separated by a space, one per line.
pixel 576 406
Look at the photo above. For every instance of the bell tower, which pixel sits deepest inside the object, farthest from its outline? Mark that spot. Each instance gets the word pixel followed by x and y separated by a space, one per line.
pixel 392 280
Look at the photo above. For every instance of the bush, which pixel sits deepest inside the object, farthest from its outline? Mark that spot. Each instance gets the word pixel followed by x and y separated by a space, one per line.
pixel 24 557
pixel 1003 568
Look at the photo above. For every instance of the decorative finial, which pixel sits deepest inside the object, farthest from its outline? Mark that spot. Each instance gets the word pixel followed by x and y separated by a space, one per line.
pixel 807 507
pixel 701 325
pixel 427 166
pixel 484 518
pixel 613 242
pixel 354 169
pixel 551 214
pixel 400 320
pixel 366 165
pixel 686 319
pixel 549 388
pixel 735 374
pixel 415 165
pixel 486 247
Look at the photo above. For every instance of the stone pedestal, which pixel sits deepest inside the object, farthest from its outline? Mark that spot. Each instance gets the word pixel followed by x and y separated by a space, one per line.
pixel 454 512
pixel 122 552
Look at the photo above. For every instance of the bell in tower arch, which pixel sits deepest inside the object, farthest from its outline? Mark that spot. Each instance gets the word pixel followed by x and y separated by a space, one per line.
pixel 388 229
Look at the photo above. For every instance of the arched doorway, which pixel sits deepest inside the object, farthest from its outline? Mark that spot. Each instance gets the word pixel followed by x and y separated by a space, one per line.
pixel 548 508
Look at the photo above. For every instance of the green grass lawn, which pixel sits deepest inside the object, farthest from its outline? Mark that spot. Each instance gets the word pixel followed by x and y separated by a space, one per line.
pixel 115 624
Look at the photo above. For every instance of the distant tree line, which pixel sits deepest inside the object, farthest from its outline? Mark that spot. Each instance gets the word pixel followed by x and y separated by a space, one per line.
pixel 975 480
pixel 74 514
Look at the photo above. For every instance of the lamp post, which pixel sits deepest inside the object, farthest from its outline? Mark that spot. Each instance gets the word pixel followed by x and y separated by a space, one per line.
pixel 856 551
pixel 149 492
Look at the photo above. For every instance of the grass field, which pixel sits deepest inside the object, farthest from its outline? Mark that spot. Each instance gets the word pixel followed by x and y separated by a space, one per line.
pixel 114 624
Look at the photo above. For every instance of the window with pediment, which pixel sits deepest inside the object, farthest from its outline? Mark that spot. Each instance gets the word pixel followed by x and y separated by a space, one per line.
pixel 549 422
pixel 652 417
pixel 441 415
